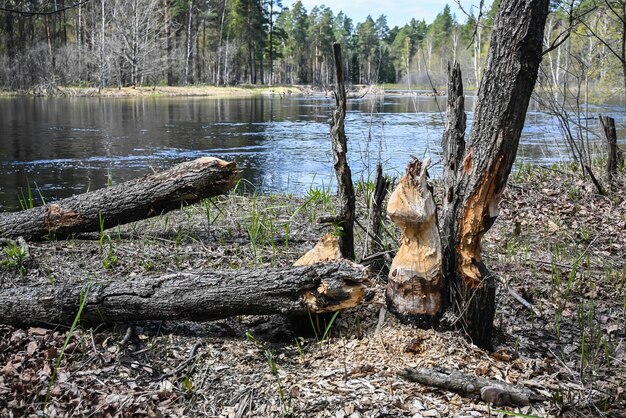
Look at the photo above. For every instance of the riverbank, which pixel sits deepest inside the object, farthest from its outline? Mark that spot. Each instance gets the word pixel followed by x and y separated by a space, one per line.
pixel 556 243
pixel 354 91
pixel 167 91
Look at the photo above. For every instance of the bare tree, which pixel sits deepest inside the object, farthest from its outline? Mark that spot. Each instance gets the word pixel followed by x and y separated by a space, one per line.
pixel 134 34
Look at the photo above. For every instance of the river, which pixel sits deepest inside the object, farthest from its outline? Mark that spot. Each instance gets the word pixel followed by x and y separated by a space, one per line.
pixel 63 146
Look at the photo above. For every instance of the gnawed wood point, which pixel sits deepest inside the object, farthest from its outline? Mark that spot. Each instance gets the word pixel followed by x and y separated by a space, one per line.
pixel 348 295
pixel 327 249
pixel 415 279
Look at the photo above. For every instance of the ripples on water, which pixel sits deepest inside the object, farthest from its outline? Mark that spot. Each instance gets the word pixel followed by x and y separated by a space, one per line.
pixel 68 146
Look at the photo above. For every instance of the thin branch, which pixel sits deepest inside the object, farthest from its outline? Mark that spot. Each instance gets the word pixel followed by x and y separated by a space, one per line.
pixel 568 30
pixel 602 41
pixel 620 17
pixel 38 13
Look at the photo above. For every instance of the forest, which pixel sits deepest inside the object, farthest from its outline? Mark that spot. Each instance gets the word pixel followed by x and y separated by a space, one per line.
pixel 115 43
pixel 496 289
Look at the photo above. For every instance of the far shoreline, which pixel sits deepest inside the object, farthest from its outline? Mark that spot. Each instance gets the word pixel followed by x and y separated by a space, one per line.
pixel 354 91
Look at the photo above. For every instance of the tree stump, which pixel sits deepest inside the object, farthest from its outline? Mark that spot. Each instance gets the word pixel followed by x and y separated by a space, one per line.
pixel 415 277
pixel 345 188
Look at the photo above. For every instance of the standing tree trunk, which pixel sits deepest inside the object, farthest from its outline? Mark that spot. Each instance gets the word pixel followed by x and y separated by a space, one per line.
pixel 613 151
pixel 453 146
pixel 168 42
pixel 480 176
pixel 377 218
pixel 220 47
pixel 340 158
pixel 102 47
pixel 189 54
pixel 271 43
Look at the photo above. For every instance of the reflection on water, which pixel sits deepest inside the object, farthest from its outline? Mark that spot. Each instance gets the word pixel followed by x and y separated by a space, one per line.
pixel 71 145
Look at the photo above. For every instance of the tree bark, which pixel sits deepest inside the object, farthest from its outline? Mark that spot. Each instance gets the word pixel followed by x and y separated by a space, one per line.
pixel 504 94
pixel 188 296
pixel 491 391
pixel 415 278
pixel 168 42
pixel 453 147
pixel 345 187
pixel 377 217
pixel 131 201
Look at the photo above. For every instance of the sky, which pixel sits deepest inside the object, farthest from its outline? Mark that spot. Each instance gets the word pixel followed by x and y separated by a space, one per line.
pixel 398 12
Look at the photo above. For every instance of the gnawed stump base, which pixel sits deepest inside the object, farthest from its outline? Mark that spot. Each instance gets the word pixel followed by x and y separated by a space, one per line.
pixel 414 289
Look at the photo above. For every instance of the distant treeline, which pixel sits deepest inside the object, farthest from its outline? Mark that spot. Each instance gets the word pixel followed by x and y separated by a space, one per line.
pixel 109 43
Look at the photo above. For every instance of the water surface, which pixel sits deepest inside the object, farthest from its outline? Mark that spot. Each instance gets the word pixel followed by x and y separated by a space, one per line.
pixel 71 145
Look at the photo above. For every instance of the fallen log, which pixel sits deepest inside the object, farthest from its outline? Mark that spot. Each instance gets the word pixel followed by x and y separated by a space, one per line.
pixel 322 287
pixel 131 201
pixel 494 392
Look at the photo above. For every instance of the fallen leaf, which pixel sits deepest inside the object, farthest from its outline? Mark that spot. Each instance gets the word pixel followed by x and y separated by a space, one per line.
pixel 31 348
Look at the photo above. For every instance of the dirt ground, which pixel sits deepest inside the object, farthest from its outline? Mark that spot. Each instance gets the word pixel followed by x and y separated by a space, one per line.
pixel 557 244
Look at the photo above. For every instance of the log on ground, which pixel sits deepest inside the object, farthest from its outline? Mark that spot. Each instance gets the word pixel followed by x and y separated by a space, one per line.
pixel 322 287
pixel 131 201
pixel 491 391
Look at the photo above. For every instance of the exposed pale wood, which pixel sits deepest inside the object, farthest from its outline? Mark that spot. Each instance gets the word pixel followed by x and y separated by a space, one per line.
pixel 491 391
pixel 131 201
pixel 326 249
pixel 415 278
pixel 345 188
pixel 504 93
pixel 191 296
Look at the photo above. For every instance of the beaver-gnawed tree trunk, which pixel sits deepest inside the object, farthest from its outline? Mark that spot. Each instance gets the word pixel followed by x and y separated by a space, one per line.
pixel 475 174
pixel 475 182
pixel 205 295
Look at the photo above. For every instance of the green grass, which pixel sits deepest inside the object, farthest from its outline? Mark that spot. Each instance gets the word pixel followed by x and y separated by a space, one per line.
pixel 317 329
pixel 270 358
pixel 84 293
pixel 16 257
pixel 319 196
pixel 26 199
